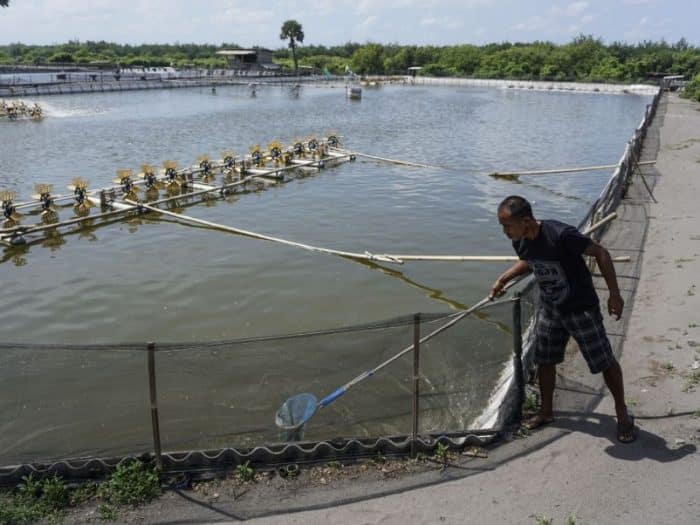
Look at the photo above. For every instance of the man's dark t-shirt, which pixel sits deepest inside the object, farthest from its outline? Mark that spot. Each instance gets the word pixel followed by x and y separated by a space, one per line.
pixel 555 258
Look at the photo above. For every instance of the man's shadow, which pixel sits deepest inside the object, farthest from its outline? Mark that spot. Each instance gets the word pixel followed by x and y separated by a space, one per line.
pixel 647 445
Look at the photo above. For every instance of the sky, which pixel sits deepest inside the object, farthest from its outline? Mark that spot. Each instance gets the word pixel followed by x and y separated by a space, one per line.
pixel 334 22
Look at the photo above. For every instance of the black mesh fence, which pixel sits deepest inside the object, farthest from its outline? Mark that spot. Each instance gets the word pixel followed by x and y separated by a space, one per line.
pixel 78 401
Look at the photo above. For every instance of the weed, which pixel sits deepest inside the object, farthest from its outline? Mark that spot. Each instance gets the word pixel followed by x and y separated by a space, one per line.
pixel 107 512
pixel 530 404
pixel 692 325
pixel 244 472
pixel 570 519
pixel 523 432
pixel 335 465
pixel 441 453
pixel 33 500
pixel 380 458
pixel 696 414
pixel 541 519
pixel 691 381
pixel 131 484
pixel 668 367
pixel 82 493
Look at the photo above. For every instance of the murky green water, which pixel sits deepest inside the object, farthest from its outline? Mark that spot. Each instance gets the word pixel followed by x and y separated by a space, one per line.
pixel 160 281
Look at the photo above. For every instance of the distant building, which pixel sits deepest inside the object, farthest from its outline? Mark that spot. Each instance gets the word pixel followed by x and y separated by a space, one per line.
pixel 414 70
pixel 249 59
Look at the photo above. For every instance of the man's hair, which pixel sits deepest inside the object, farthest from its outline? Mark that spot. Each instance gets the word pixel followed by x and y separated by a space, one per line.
pixel 516 206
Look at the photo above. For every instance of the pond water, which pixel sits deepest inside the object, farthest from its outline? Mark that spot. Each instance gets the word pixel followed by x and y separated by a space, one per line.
pixel 160 281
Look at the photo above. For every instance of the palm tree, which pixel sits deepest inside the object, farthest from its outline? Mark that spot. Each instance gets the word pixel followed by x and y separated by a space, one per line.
pixel 293 31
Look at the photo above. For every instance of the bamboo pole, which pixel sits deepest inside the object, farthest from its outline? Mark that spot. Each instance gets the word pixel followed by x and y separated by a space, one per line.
pixel 494 174
pixel 475 258
pixel 562 170
pixel 365 256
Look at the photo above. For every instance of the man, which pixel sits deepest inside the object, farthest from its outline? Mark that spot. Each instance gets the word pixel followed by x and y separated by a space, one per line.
pixel 554 251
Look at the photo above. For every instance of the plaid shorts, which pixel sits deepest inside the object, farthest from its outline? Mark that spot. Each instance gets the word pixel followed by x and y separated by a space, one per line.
pixel 552 331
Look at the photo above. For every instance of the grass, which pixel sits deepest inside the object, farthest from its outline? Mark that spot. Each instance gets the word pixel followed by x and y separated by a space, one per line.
pixel 668 367
pixel 542 519
pixel 244 472
pixel 442 453
pixel 530 404
pixel 692 380
pixel 132 483
pixel 48 499
pixel 35 499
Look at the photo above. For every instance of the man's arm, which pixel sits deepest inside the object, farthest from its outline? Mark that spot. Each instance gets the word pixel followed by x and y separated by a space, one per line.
pixel 602 257
pixel 498 288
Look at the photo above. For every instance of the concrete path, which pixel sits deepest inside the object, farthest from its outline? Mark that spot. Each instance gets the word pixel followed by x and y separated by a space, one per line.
pixel 581 470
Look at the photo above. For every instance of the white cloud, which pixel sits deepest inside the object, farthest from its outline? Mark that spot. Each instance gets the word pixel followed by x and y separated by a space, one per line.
pixel 534 23
pixel 368 22
pixel 576 8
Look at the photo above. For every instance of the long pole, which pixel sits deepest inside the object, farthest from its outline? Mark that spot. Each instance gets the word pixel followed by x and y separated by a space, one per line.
pixel 416 382
pixel 518 358
pixel 154 404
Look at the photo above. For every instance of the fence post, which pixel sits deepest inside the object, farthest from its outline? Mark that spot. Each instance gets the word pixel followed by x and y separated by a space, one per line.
pixel 154 404
pixel 416 377
pixel 518 358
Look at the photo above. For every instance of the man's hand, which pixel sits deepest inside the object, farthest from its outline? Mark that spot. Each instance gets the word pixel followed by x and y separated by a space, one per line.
pixel 497 289
pixel 615 305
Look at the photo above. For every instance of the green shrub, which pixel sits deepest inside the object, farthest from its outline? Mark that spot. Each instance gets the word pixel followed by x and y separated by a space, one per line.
pixel 692 89
pixel 131 484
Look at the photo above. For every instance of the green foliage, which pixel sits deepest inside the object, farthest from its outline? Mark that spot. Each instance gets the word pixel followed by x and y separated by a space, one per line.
pixel 107 512
pixel 368 59
pixel 541 519
pixel 292 31
pixel 244 472
pixel 570 519
pixel 131 484
pixel 692 91
pixel 530 404
pixel 441 453
pixel 34 499
pixel 585 58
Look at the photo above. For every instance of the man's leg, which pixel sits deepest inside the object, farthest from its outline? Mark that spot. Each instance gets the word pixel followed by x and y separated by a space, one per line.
pixel 588 330
pixel 550 343
pixel 614 381
pixel 546 377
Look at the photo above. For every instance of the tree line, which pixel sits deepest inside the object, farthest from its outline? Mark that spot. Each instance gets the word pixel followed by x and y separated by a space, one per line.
pixel 585 58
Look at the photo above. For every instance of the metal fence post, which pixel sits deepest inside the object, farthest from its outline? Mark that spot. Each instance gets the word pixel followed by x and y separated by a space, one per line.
pixel 154 404
pixel 416 377
pixel 518 358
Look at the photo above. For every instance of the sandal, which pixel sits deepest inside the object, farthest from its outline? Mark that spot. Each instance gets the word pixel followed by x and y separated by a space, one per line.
pixel 628 433
pixel 537 421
